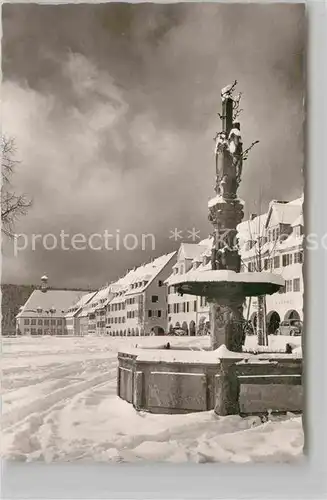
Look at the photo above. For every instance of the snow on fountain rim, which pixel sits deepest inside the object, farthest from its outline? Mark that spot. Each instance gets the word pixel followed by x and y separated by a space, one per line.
pixel 159 354
pixel 216 276
pixel 194 357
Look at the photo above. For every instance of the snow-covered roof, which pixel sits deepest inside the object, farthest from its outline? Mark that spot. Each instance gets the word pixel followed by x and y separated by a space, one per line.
pixel 98 300
pixel 147 273
pixel 293 241
pixel 297 201
pixel 190 251
pixel 82 302
pixel 279 212
pixel 206 242
pixel 283 213
pixel 117 290
pixel 58 300
pixel 298 221
pixel 252 229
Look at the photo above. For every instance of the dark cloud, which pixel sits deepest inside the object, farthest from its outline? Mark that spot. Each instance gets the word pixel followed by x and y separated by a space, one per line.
pixel 114 106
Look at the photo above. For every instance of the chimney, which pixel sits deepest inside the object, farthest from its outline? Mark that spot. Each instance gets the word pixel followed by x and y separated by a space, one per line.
pixel 253 216
pixel 44 283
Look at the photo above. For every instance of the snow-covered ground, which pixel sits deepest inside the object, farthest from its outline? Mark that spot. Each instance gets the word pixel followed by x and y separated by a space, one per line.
pixel 59 403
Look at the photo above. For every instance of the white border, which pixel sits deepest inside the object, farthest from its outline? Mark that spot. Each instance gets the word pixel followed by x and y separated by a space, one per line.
pixel 213 481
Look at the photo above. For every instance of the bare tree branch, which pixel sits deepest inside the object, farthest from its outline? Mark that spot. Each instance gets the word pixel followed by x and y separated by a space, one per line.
pixel 13 206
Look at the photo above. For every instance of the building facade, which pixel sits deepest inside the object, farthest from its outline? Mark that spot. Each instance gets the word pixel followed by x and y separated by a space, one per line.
pixel 44 313
pixel 188 312
pixel 270 242
pixel 92 315
pixel 139 303
pixel 274 242
pixel 72 318
pixel 134 305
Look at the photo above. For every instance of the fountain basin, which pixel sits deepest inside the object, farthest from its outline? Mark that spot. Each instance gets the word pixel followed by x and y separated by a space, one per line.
pixel 170 381
pixel 224 284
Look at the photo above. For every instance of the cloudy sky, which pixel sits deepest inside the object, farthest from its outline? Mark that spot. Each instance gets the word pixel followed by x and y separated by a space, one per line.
pixel 114 107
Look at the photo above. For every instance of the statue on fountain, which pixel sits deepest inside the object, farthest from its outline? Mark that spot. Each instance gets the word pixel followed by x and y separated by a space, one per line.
pixel 228 155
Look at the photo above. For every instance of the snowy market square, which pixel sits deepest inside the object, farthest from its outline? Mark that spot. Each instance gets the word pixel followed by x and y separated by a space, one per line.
pixel 59 403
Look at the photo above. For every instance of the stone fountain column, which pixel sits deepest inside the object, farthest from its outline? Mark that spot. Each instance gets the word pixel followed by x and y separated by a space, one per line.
pixel 225 213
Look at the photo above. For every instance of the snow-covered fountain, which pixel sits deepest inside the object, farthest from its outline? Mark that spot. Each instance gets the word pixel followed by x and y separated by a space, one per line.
pixel 175 380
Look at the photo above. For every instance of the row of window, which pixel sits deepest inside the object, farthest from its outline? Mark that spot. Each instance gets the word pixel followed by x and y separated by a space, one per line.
pixel 41 331
pixel 180 307
pixel 273 235
pixel 131 301
pixel 296 258
pixel 205 259
pixel 203 302
pixel 122 333
pixel 155 313
pixel 131 314
pixel 119 306
pixel 274 262
pixel 140 284
pixel 121 319
pixel 117 319
pixel 40 321
pixel 291 286
pixel 134 300
pixel 52 310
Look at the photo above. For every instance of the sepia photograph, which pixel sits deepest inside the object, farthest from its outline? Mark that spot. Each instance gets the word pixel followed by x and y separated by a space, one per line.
pixel 153 236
